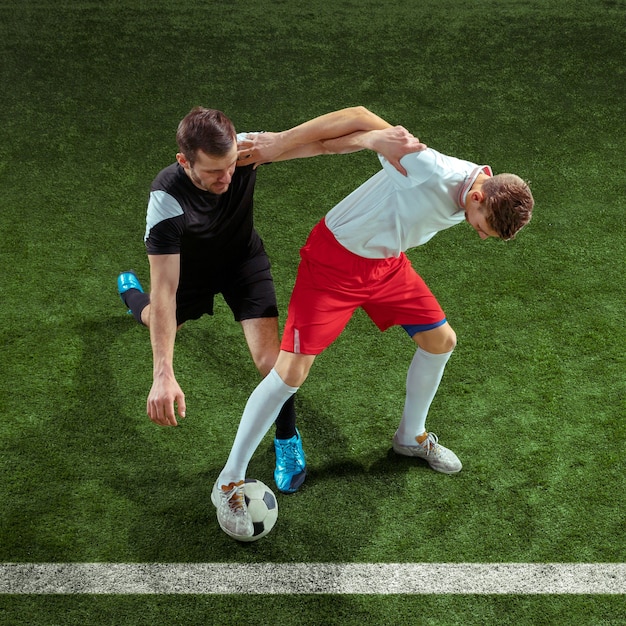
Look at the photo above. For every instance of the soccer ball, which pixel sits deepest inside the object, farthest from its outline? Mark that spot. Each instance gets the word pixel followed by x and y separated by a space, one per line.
pixel 262 508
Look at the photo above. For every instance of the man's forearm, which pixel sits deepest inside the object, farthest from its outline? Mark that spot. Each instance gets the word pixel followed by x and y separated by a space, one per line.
pixel 164 273
pixel 360 140
pixel 162 338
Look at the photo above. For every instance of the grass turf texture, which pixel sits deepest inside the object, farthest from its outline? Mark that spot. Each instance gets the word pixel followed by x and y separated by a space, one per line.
pixel 532 400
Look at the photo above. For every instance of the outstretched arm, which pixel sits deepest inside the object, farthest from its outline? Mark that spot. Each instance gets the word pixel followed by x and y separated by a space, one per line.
pixel 304 140
pixel 346 130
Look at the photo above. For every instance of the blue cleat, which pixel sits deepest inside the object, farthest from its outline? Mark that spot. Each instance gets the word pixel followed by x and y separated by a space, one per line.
pixel 290 469
pixel 127 280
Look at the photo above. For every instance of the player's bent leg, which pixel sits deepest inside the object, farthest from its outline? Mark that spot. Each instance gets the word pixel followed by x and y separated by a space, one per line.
pixel 262 338
pixel 425 372
pixel 260 412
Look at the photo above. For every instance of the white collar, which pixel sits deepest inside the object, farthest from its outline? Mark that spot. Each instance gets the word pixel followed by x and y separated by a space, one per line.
pixel 470 180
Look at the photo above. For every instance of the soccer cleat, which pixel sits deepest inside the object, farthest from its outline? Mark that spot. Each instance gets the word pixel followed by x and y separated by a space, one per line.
pixel 127 280
pixel 232 511
pixel 290 469
pixel 437 456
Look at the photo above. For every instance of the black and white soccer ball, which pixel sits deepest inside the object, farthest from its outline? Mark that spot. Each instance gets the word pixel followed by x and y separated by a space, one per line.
pixel 262 508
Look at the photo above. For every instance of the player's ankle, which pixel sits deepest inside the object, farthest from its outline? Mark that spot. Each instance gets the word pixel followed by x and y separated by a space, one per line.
pixel 422 438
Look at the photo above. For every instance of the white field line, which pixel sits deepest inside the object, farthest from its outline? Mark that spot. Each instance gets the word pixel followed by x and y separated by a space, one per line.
pixel 313 578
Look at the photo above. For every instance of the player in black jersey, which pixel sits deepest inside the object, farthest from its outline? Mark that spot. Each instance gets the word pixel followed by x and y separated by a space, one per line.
pixel 201 242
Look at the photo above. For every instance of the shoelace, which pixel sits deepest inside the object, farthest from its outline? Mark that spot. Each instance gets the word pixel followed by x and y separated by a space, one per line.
pixel 429 444
pixel 290 455
pixel 235 498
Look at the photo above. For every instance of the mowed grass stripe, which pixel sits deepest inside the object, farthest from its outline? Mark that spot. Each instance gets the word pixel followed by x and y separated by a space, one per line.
pixel 313 578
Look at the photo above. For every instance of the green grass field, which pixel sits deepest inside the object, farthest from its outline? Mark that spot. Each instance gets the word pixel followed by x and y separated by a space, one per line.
pixel 533 400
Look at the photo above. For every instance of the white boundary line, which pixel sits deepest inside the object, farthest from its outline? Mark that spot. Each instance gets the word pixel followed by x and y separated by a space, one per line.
pixel 313 578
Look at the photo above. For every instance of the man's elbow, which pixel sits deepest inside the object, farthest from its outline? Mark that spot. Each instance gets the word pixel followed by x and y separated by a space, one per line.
pixel 364 119
pixel 360 112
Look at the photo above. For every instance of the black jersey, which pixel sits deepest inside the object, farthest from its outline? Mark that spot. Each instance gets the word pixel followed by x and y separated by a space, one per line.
pixel 210 232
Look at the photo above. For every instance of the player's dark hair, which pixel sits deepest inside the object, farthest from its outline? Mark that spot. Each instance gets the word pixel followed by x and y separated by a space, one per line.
pixel 208 130
pixel 508 204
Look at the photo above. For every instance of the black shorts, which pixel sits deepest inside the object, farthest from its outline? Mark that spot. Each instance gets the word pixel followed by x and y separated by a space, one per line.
pixel 248 289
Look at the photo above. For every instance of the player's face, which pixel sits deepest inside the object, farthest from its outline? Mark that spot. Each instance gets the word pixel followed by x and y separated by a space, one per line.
pixel 211 173
pixel 475 217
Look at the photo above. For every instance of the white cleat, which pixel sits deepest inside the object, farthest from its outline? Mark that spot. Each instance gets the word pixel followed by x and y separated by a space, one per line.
pixel 232 512
pixel 437 456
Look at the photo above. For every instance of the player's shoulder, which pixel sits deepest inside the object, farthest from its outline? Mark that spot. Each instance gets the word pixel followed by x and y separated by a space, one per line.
pixel 168 178
pixel 245 135
pixel 163 206
pixel 419 166
pixel 426 167
pixel 436 167
pixel 447 163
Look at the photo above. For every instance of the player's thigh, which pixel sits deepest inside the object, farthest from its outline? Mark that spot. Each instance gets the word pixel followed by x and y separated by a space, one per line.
pixel 249 289
pixel 193 303
pixel 402 298
pixel 316 315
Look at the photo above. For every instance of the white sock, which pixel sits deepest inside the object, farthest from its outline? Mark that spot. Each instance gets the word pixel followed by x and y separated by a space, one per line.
pixel 260 413
pixel 422 382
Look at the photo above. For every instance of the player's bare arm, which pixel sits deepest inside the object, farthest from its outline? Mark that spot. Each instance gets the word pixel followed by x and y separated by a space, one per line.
pixel 306 139
pixel 165 395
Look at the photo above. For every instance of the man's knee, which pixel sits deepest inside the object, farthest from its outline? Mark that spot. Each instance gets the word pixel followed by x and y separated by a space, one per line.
pixel 438 340
pixel 265 361
pixel 448 341
pixel 262 338
pixel 294 368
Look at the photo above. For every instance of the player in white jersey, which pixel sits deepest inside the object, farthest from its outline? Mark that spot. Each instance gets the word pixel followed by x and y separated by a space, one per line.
pixel 355 257
pixel 391 213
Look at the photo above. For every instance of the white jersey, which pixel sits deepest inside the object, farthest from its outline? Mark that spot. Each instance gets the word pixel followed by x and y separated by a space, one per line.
pixel 390 213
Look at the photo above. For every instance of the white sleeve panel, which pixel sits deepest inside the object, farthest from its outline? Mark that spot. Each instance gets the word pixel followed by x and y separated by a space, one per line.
pixel 161 206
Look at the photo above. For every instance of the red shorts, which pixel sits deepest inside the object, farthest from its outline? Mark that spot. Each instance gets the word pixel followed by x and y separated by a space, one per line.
pixel 332 283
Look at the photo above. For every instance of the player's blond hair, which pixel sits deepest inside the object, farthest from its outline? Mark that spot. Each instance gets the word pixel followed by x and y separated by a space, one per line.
pixel 508 204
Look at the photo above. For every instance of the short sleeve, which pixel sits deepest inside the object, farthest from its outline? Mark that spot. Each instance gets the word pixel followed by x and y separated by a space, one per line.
pixel 420 166
pixel 162 235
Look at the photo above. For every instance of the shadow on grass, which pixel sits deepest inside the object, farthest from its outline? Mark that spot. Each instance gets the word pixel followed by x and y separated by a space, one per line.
pixel 92 479
pixel 99 482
